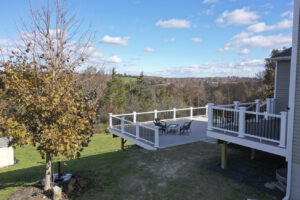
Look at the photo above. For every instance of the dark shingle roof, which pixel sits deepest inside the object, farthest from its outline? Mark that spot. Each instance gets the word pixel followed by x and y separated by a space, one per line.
pixel 283 53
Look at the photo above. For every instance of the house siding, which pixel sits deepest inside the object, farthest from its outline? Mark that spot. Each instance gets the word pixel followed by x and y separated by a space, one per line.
pixel 295 176
pixel 282 85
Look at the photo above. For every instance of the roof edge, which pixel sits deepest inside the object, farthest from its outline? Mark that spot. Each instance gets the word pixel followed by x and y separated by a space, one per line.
pixel 281 58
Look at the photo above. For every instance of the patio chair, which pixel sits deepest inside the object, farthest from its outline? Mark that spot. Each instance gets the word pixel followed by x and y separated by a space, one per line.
pixel 186 127
pixel 161 124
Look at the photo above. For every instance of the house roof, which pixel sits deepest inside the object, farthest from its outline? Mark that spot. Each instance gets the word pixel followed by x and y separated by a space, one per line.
pixel 283 55
pixel 3 142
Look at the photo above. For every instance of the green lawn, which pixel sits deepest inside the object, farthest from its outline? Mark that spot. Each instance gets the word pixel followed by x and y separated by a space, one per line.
pixel 173 173
pixel 128 79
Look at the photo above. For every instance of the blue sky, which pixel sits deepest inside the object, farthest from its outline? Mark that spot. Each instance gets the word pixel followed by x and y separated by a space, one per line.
pixel 176 38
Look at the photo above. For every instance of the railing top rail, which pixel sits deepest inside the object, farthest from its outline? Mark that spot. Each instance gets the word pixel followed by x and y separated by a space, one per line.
pixel 130 122
pixel 224 106
pixel 245 104
pixel 202 107
pixel 247 112
pixel 120 115
pixel 142 113
pixel 263 114
pixel 263 104
pixel 158 111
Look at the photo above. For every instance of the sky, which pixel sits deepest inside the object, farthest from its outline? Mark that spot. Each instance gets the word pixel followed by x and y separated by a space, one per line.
pixel 175 38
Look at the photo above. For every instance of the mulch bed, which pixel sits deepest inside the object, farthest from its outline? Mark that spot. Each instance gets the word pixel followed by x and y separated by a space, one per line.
pixel 254 173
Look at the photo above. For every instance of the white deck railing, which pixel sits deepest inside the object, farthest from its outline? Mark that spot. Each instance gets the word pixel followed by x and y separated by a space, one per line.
pixel 130 123
pixel 240 119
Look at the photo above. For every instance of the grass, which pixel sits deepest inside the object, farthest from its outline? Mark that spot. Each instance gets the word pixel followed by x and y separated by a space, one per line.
pixel 128 79
pixel 173 173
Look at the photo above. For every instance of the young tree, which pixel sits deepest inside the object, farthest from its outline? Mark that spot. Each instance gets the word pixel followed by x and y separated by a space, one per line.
pixel 41 102
pixel 268 76
pixel 114 98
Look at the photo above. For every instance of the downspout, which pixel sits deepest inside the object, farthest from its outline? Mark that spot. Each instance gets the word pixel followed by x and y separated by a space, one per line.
pixel 292 91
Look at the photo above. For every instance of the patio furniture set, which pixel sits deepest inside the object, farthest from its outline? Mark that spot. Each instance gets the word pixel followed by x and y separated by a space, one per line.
pixel 173 128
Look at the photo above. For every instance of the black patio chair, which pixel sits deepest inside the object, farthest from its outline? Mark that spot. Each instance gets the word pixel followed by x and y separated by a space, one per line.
pixel 186 127
pixel 161 124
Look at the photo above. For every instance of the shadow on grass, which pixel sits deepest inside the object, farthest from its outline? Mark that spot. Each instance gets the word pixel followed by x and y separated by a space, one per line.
pixel 89 166
pixel 254 173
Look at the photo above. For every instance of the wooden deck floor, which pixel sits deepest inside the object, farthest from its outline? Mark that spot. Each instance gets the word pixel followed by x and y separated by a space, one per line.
pixel 198 133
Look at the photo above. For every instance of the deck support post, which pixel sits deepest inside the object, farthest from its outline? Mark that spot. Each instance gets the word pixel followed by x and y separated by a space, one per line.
pixel 137 131
pixel 235 116
pixel 224 156
pixel 110 120
pixel 191 112
pixel 210 116
pixel 123 141
pixel 174 113
pixel 283 120
pixel 252 154
pixel 242 121
pixel 134 116
pixel 155 114
pixel 156 137
pixel 257 108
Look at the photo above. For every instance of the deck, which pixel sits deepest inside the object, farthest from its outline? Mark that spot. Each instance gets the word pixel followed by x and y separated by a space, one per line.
pixel 198 133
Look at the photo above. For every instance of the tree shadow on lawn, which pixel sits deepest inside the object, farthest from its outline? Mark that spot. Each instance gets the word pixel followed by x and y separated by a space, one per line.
pixel 87 166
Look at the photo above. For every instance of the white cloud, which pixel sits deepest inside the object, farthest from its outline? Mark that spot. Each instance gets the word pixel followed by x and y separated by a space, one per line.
pixel 208 11
pixel 241 16
pixel 270 41
pixel 196 39
pixel 118 41
pixel 261 26
pixel 287 13
pixel 148 49
pixel 241 68
pixel 243 51
pixel 226 48
pixel 98 57
pixel 170 40
pixel 209 1
pixel 174 23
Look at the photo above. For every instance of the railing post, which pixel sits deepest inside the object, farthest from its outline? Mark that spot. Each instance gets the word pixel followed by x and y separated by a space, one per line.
pixel 206 110
pixel 268 105
pixel 110 120
pixel 155 114
pixel 242 121
pixel 235 117
pixel 134 116
pixel 210 116
pixel 174 113
pixel 156 137
pixel 137 132
pixel 191 112
pixel 122 125
pixel 272 105
pixel 257 108
pixel 283 129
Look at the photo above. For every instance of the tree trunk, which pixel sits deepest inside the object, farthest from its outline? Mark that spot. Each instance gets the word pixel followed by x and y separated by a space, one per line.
pixel 47 185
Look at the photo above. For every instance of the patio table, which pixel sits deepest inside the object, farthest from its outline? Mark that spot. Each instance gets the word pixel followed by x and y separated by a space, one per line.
pixel 172 128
